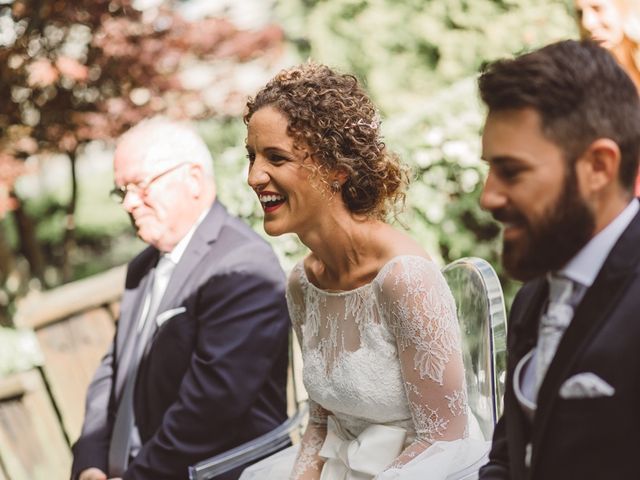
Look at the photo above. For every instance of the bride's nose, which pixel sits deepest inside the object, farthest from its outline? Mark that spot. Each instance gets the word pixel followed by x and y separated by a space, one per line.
pixel 257 177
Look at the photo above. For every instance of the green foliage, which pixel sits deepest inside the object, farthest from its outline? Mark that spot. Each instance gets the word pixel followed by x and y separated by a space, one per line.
pixel 19 351
pixel 103 233
pixel 404 49
pixel 442 145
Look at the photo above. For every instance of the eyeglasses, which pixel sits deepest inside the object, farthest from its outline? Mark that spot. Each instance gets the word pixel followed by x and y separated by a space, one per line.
pixel 140 188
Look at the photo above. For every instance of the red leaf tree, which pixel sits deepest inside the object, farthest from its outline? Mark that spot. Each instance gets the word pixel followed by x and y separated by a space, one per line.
pixel 73 72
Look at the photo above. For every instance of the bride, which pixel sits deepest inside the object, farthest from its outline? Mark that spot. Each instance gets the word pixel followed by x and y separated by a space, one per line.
pixel 376 321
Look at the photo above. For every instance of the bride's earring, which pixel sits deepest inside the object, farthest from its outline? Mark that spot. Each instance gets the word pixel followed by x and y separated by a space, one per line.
pixel 335 186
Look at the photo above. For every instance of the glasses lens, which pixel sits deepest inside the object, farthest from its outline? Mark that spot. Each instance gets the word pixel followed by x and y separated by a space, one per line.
pixel 118 194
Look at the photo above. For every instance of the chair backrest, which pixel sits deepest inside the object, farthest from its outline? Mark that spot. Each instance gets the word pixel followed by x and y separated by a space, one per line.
pixel 482 317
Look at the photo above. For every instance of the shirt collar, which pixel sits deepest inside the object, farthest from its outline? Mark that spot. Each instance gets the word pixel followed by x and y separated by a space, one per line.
pixel 583 268
pixel 176 254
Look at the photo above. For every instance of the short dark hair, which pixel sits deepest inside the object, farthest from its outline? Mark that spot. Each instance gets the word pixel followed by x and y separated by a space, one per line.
pixel 330 112
pixel 581 94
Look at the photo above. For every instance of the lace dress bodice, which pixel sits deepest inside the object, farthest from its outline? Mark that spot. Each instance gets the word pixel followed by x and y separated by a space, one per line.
pixel 386 353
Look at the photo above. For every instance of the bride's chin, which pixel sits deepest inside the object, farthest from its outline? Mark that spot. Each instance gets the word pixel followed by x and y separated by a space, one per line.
pixel 273 230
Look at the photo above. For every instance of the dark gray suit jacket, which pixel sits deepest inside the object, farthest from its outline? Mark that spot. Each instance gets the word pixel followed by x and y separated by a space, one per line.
pixel 212 376
pixel 586 438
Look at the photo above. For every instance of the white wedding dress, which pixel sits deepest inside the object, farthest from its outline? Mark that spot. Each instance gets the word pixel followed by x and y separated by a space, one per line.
pixel 384 373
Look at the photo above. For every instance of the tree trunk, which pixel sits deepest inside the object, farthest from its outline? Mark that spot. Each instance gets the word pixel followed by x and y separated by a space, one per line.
pixel 69 241
pixel 7 266
pixel 6 257
pixel 28 243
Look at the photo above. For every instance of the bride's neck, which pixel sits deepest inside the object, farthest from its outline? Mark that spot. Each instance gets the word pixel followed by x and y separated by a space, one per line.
pixel 341 248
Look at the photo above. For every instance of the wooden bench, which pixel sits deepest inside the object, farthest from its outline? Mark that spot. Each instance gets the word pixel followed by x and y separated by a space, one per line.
pixel 41 411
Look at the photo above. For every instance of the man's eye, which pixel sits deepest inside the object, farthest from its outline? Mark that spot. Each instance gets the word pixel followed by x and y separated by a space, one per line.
pixel 275 158
pixel 509 173
pixel 251 157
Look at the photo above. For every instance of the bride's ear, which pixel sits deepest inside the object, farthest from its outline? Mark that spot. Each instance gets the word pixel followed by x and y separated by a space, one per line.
pixel 338 177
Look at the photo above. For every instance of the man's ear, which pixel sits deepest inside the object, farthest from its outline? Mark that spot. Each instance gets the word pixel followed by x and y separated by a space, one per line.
pixel 194 180
pixel 599 166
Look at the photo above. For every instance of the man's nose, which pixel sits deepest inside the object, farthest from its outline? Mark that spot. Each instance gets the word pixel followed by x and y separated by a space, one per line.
pixel 590 20
pixel 492 196
pixel 131 200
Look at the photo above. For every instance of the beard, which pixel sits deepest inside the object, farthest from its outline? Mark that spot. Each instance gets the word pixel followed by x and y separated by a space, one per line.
pixel 551 240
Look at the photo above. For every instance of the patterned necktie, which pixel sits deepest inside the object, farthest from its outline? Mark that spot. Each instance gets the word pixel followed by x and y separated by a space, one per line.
pixel 553 323
pixel 120 445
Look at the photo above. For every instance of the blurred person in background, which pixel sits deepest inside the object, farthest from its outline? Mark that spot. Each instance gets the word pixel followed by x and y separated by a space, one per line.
pixel 562 140
pixel 198 363
pixel 614 24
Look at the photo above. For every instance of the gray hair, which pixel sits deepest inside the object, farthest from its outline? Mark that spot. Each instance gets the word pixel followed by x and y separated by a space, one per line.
pixel 164 141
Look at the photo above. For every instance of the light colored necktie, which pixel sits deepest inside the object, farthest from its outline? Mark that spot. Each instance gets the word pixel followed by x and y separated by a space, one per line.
pixel 120 445
pixel 553 323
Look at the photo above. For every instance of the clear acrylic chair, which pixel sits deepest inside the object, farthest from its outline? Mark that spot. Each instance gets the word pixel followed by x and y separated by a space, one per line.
pixel 482 318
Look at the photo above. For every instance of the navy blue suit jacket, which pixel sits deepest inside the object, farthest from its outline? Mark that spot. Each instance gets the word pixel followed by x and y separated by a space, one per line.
pixel 585 438
pixel 213 375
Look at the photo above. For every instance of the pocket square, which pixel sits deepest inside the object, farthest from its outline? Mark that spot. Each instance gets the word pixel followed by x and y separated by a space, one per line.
pixel 586 385
pixel 167 314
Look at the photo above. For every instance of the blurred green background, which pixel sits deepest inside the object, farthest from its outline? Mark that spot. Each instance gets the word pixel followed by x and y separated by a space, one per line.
pixel 77 75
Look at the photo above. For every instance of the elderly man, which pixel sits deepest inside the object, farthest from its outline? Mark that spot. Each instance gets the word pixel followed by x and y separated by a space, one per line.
pixel 562 140
pixel 198 363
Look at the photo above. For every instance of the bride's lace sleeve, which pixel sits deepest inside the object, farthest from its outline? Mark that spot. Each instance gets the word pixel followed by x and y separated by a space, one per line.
pixel 422 315
pixel 308 464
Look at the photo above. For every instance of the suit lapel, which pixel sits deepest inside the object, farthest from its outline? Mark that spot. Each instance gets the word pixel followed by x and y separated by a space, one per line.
pixel 523 330
pixel 185 267
pixel 525 320
pixel 591 314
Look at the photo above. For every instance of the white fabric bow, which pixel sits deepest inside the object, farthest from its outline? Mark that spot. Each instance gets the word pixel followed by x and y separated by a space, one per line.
pixel 360 458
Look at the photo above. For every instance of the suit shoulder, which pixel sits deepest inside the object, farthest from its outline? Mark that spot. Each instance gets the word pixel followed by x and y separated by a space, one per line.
pixel 236 228
pixel 240 249
pixel 236 235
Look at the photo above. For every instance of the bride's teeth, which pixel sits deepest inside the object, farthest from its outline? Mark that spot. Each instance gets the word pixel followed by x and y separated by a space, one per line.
pixel 270 198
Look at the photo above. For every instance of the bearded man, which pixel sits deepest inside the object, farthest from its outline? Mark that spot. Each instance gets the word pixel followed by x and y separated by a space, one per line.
pixel 562 140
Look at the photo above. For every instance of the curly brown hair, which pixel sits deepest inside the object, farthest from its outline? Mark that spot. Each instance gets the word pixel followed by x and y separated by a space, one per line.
pixel 330 114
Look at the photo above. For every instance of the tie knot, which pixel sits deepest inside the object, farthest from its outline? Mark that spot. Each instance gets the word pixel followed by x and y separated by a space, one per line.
pixel 164 264
pixel 560 289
